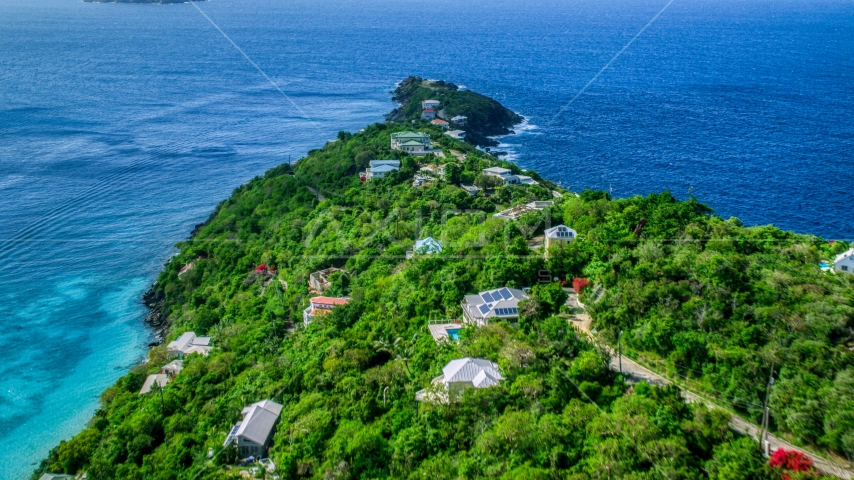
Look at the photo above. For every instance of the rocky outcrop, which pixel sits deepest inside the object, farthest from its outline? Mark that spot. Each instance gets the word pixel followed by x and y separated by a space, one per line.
pixel 156 318
pixel 485 116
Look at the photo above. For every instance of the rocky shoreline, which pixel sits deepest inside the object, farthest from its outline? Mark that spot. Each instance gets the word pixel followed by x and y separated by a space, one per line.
pixel 155 318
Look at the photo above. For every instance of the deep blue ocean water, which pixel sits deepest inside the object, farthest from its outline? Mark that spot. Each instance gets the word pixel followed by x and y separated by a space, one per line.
pixel 121 127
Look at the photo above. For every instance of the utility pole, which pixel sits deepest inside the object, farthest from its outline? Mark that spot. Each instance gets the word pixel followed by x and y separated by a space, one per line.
pixel 763 430
pixel 162 405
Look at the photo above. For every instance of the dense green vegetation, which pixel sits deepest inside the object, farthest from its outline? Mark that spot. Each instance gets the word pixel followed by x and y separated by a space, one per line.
pixel 713 300
pixel 719 304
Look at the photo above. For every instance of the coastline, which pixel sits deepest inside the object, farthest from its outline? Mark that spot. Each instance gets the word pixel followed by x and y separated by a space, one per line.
pixel 282 223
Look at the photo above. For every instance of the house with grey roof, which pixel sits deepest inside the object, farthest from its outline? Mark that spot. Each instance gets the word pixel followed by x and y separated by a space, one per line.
pixel 460 120
pixel 381 168
pixel 157 380
pixel 55 476
pixel 491 305
pixel 459 375
pixel 189 343
pixel 252 435
pixel 434 104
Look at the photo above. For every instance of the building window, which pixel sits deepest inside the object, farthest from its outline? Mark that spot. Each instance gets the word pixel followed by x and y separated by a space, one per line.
pixel 845 268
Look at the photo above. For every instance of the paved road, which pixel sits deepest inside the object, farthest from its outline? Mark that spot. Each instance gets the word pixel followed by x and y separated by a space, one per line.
pixel 639 373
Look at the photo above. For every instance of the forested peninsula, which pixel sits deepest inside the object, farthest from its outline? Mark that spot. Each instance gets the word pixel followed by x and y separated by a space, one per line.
pixel 701 297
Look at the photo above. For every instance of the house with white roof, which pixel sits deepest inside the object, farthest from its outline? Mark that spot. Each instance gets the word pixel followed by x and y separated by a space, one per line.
pixel 381 168
pixel 413 143
pixel 559 235
pixel 159 380
pixel 55 476
pixel 459 120
pixel 456 134
pixel 459 375
pixel 433 104
pixel 508 177
pixel 252 435
pixel 428 114
pixel 189 343
pixel 844 262
pixel 498 304
pixel 319 306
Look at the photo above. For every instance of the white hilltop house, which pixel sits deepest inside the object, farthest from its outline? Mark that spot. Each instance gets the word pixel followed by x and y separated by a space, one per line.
pixel 428 114
pixel 252 435
pixel 844 262
pixel 434 104
pixel 413 143
pixel 506 175
pixel 498 304
pixel 55 476
pixel 519 210
pixel 559 235
pixel 158 379
pixel 459 120
pixel 381 168
pixel 459 375
pixel 427 246
pixel 189 343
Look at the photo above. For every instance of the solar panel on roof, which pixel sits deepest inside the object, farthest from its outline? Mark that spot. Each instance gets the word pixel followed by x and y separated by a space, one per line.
pixel 506 293
pixel 487 297
pixel 484 308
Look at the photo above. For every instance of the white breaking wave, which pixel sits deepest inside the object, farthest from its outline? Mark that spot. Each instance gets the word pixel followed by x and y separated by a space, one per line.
pixel 525 127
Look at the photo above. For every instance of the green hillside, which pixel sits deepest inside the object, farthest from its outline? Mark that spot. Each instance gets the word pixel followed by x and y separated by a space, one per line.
pixel 708 298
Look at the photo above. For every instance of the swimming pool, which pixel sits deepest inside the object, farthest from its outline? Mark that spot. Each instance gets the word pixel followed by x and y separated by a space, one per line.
pixel 454 333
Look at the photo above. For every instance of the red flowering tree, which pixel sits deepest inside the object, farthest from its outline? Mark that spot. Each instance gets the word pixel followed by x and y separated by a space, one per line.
pixel 792 460
pixel 579 284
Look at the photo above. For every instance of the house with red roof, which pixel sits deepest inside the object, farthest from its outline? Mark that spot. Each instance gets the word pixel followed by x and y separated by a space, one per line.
pixel 428 114
pixel 319 306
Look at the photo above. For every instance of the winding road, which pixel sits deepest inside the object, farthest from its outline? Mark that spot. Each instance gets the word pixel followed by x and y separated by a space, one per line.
pixel 639 373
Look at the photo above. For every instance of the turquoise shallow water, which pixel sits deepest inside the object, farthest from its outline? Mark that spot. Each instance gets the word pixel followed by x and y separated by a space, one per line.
pixel 122 126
